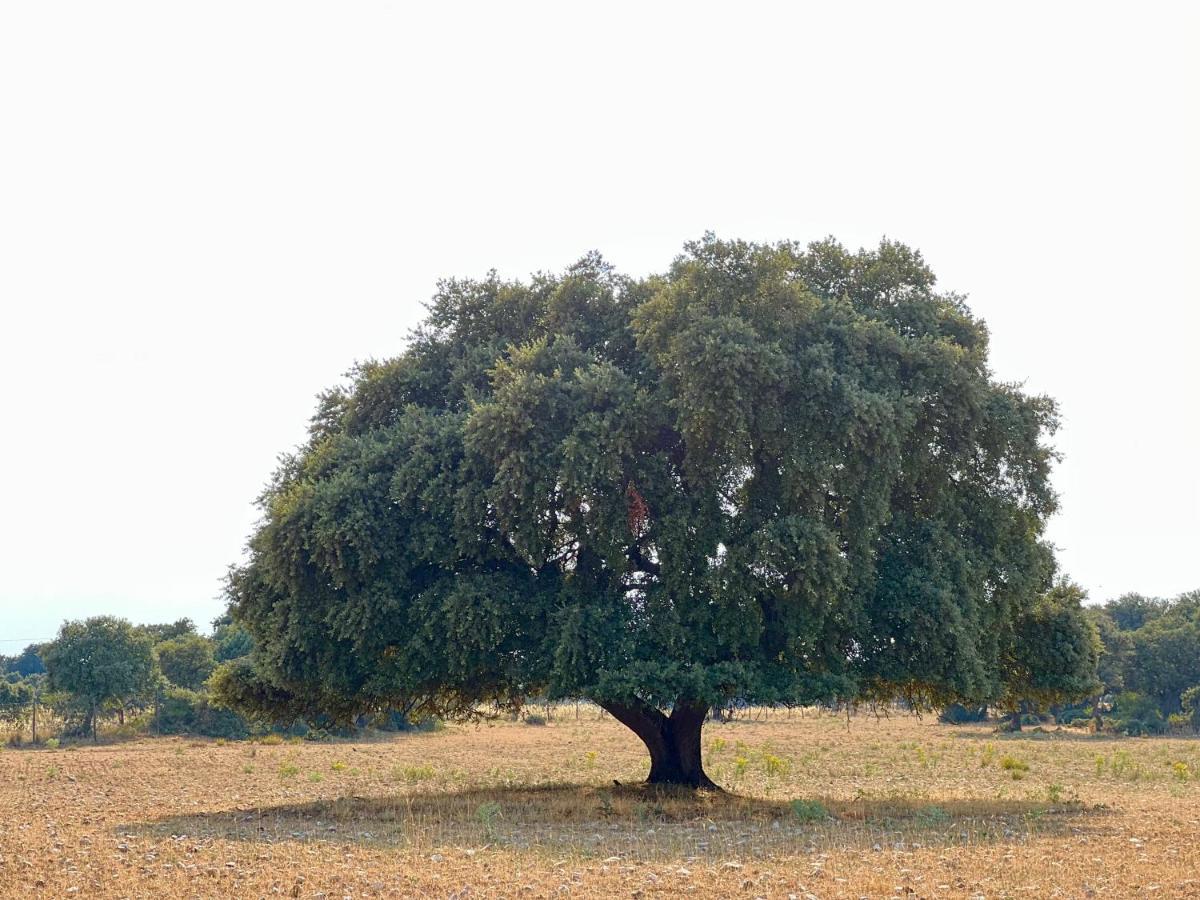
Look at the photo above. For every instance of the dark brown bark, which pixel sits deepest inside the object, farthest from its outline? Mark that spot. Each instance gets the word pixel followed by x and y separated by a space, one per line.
pixel 673 741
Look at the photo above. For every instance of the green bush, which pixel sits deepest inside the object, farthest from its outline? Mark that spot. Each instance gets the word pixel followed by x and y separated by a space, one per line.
pixel 1136 714
pixel 181 711
pixel 1069 715
pixel 957 714
pixel 1189 701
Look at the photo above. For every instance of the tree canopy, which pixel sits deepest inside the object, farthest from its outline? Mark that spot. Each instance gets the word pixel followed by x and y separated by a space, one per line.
pixel 100 661
pixel 186 661
pixel 772 474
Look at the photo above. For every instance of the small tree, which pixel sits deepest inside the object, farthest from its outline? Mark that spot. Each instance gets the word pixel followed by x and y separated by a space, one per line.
pixel 100 662
pixel 1166 659
pixel 1051 654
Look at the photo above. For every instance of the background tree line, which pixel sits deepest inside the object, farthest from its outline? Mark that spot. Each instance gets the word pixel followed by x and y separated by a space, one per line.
pixel 104 672
pixel 1149 663
pixel 1146 669
pixel 156 678
pixel 141 678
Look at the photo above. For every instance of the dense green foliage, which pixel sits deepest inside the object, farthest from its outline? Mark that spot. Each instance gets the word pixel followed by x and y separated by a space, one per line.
pixel 1150 659
pixel 27 662
pixel 772 474
pixel 230 640
pixel 1053 652
pixel 186 661
pixel 106 667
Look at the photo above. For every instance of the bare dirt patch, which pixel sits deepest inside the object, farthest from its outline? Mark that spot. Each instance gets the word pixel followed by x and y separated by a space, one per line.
pixel 817 806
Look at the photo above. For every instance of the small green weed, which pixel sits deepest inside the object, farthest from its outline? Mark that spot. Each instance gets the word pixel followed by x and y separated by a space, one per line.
pixel 487 814
pixel 809 810
pixel 932 815
pixel 413 774
pixel 776 765
pixel 1016 768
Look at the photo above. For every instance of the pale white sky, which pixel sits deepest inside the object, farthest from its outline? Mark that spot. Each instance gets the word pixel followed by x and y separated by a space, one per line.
pixel 209 211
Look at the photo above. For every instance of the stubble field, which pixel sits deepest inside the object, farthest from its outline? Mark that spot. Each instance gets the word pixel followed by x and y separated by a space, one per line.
pixel 818 806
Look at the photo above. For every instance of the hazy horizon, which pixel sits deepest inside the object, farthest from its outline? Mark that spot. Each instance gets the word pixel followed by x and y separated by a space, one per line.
pixel 207 215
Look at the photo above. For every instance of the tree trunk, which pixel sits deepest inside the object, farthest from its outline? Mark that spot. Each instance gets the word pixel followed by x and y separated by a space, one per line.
pixel 673 741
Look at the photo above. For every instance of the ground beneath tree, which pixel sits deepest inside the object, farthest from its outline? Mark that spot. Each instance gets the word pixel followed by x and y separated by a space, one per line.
pixel 816 806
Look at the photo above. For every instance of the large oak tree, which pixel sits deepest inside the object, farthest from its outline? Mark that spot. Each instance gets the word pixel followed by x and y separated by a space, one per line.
pixel 774 474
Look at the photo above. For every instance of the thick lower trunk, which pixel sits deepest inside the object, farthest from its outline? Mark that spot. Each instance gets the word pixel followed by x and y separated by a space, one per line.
pixel 673 741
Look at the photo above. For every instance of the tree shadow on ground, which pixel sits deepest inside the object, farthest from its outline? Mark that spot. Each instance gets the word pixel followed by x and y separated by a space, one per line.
pixel 629 820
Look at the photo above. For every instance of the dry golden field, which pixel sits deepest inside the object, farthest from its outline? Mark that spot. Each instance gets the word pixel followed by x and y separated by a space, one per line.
pixel 819 806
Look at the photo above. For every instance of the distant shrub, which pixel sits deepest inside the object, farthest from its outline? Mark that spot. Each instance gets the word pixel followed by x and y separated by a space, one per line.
pixel 535 719
pixel 181 711
pixel 1136 714
pixel 957 714
pixel 1180 723
pixel 1069 715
